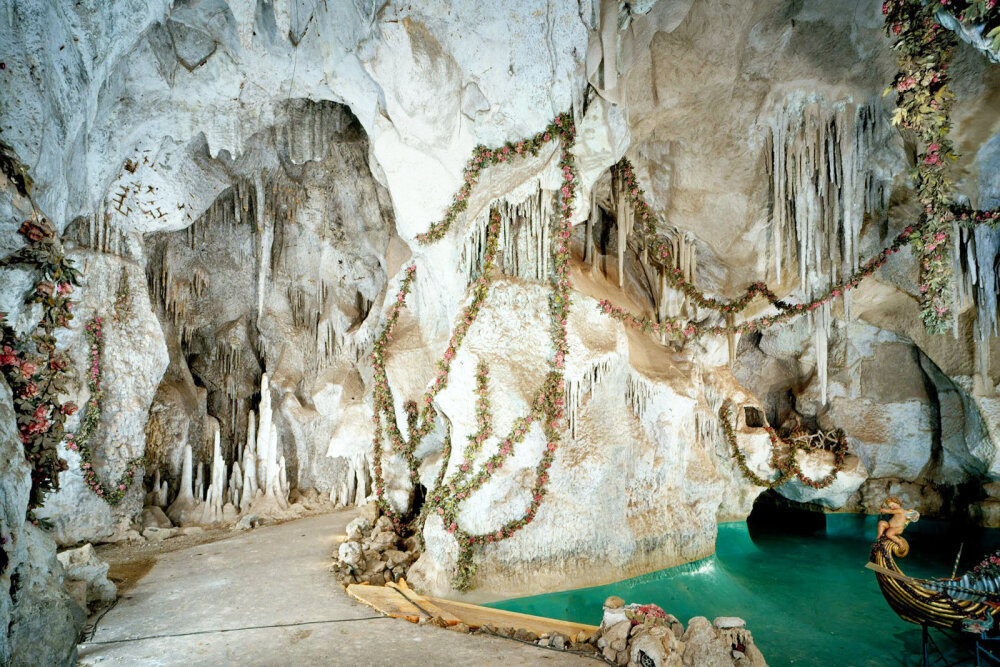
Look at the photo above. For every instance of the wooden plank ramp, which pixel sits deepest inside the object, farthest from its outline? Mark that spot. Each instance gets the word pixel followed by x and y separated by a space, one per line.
pixel 400 601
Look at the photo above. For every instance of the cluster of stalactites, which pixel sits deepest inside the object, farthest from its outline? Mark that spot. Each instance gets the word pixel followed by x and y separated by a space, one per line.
pixel 977 283
pixel 824 184
pixel 524 242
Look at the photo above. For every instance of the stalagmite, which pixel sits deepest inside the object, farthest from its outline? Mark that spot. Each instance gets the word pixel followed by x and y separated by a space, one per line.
pixel 363 482
pixel 158 492
pixel 264 433
pixel 235 484
pixel 186 507
pixel 199 483
pixel 216 495
pixel 250 487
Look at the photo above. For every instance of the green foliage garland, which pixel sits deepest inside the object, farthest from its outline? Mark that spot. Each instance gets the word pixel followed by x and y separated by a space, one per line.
pixel 923 104
pixel 36 372
pixel 787 467
pixel 548 405
pixel 658 248
pixel 80 441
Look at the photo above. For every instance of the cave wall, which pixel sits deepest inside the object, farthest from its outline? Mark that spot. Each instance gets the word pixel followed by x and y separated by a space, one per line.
pixel 261 170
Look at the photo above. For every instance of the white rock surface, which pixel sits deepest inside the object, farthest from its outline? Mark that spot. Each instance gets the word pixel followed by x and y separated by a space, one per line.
pixel 39 621
pixel 83 567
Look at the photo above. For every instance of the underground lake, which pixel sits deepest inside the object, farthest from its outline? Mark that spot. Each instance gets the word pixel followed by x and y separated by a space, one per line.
pixel 801 586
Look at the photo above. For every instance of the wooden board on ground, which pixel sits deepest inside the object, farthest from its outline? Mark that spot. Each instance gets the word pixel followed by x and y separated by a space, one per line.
pixel 386 600
pixel 400 601
pixel 475 616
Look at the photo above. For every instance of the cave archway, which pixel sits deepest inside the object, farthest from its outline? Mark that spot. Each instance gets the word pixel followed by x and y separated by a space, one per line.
pixel 774 515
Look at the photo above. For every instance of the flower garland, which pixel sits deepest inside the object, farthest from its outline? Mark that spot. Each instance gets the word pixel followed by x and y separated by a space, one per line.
pixel 978 13
pixel 787 312
pixel 787 467
pixel 989 566
pixel 420 424
pixel 483 157
pixel 36 372
pixel 923 105
pixel 91 419
pixel 548 404
pixel 484 421
pixel 383 396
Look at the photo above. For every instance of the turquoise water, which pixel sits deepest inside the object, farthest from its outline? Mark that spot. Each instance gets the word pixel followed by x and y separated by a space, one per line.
pixel 806 596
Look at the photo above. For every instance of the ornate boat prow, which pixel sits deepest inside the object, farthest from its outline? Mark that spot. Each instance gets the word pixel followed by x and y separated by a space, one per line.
pixel 914 600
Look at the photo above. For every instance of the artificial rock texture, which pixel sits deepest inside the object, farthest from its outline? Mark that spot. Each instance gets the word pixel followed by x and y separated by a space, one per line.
pixel 40 620
pixel 260 170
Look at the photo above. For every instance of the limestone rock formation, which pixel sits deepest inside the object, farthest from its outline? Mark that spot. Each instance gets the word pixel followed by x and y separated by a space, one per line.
pixel 87 576
pixel 40 621
pixel 243 184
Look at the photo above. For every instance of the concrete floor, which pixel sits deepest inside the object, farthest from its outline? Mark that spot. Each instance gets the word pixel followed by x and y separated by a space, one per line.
pixel 265 597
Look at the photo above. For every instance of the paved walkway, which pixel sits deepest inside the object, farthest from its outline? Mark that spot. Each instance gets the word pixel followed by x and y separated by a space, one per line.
pixel 265 597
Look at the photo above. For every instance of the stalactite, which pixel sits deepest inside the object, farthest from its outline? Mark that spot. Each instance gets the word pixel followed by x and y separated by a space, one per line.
pixel 579 388
pixel 823 184
pixel 592 220
pixel 265 235
pixel 625 220
pixel 637 393
pixel 977 282
pixel 525 230
pixel 821 322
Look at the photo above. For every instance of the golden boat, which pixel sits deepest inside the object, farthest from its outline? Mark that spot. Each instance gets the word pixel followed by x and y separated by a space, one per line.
pixel 926 602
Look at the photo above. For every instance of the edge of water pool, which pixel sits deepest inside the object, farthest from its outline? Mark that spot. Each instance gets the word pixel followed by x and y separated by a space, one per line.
pixel 737 574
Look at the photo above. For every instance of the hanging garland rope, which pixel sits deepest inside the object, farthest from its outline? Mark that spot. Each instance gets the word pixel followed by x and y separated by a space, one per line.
pixel 80 441
pixel 548 404
pixel 923 104
pixel 786 467
pixel 422 424
pixel 35 371
pixel 659 251
pixel 483 157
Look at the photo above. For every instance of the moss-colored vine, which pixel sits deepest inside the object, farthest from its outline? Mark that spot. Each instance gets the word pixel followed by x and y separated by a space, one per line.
pixel 81 440
pixel 787 467
pixel 548 404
